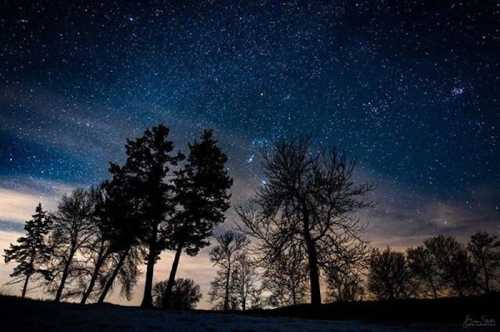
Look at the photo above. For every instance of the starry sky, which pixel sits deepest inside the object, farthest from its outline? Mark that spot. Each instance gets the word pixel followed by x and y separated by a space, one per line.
pixel 410 89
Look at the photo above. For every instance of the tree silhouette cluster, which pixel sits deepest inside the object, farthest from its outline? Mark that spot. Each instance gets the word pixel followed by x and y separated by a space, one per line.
pixel 299 233
pixel 156 200
pixel 442 266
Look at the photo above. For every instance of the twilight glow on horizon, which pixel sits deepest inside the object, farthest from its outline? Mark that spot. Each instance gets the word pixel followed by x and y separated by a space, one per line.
pixel 411 90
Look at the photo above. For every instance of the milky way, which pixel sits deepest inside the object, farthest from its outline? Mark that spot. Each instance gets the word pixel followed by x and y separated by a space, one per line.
pixel 408 89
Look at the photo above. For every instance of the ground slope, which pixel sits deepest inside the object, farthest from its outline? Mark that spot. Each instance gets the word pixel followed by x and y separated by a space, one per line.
pixel 19 315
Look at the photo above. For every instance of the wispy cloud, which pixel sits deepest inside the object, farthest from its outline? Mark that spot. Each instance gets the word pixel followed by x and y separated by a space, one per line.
pixel 18 198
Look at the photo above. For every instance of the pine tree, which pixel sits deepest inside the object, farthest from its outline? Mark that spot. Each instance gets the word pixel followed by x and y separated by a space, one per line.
pixel 202 193
pixel 31 251
pixel 149 161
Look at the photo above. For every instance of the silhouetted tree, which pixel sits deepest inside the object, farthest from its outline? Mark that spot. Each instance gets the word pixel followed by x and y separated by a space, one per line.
pixel 148 163
pixel 202 195
pixel 389 277
pixel 98 249
pixel 229 245
pixel 185 294
pixel 344 262
pixel 424 270
pixel 71 231
pixel 244 282
pixel 31 253
pixel 455 269
pixel 122 225
pixel 307 197
pixel 286 277
pixel 485 251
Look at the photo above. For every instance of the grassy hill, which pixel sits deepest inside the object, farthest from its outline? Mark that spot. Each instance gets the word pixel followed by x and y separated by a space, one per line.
pixel 397 316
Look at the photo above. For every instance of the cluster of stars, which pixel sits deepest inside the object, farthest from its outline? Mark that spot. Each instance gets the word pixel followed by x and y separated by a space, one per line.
pixel 409 91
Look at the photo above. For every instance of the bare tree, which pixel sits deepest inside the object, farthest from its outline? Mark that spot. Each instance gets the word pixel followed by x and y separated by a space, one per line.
pixel 71 231
pixel 424 270
pixel 286 277
pixel 389 277
pixel 98 250
pixel 228 247
pixel 244 282
pixel 454 266
pixel 308 197
pixel 485 251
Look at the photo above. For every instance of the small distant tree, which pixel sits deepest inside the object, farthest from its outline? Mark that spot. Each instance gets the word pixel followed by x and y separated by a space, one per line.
pixel 71 231
pixel 389 277
pixel 454 265
pixel 202 197
pixel 224 255
pixel 285 277
pixel 485 252
pixel 185 294
pixel 345 262
pixel 345 282
pixel 424 270
pixel 244 281
pixel 31 253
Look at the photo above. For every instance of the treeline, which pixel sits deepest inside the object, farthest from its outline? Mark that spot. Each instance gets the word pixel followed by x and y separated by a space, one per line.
pixel 442 266
pixel 298 234
pixel 98 237
pixel 305 236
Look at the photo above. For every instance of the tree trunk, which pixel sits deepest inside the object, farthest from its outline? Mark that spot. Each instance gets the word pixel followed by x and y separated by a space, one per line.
pixel 25 286
pixel 434 290
pixel 100 261
pixel 64 276
pixel 171 278
pixel 294 296
pixel 147 301
pixel 313 269
pixel 226 294
pixel 110 281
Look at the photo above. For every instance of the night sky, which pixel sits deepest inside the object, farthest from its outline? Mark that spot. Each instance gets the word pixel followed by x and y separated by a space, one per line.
pixel 408 88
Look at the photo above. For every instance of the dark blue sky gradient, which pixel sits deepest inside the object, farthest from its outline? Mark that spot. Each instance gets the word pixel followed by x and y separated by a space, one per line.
pixel 410 89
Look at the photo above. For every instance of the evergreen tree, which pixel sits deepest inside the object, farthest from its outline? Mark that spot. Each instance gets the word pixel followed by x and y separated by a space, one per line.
pixel 149 161
pixel 31 253
pixel 201 193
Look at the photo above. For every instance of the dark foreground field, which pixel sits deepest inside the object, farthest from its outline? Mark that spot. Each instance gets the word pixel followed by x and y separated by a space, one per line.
pixel 442 315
